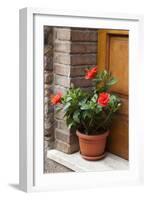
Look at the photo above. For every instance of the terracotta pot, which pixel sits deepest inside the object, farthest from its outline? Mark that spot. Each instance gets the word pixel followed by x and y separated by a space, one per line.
pixel 92 147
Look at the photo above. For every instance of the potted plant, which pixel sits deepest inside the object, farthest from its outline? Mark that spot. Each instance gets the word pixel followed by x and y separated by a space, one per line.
pixel 90 113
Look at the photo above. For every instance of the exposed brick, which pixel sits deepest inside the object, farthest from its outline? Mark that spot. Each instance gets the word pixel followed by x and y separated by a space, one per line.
pixel 83 47
pixel 83 35
pixel 59 115
pixel 71 71
pixel 87 89
pixel 62 58
pixel 81 82
pixel 74 49
pixel 49 132
pixel 62 69
pixel 48 110
pixel 65 147
pixel 51 145
pixel 50 118
pixel 46 100
pixel 48 90
pixel 63 33
pixel 65 136
pixel 48 122
pixel 48 62
pixel 46 144
pixel 50 138
pixel 83 59
pixel 77 70
pixel 49 142
pixel 62 46
pixel 48 77
pixel 62 80
pixel 51 109
pixel 78 81
pixel 48 35
pixel 61 124
pixel 59 88
pixel 48 49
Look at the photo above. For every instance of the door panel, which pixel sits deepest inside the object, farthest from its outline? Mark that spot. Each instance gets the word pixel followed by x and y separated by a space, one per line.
pixel 113 56
pixel 118 62
pixel 118 139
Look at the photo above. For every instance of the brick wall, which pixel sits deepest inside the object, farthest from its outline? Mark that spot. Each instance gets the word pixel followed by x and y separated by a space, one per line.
pixel 48 89
pixel 67 52
pixel 74 50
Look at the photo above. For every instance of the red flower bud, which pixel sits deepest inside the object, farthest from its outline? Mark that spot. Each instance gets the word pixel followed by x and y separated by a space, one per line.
pixel 56 99
pixel 91 73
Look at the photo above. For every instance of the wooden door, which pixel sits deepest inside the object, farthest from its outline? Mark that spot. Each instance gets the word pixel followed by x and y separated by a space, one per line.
pixel 113 56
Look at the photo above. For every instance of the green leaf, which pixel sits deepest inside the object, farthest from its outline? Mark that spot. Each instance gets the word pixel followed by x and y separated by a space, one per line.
pixel 104 74
pixel 98 109
pixel 82 102
pixel 85 107
pixel 76 116
pixel 86 115
pixel 111 82
pixel 58 109
pixel 94 98
pixel 70 125
pixel 67 105
pixel 68 99
pixel 97 80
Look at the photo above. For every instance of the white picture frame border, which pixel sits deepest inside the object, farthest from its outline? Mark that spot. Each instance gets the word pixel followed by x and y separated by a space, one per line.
pixel 31 175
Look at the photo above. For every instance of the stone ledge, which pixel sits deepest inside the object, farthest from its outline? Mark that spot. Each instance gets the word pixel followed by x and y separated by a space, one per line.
pixel 78 164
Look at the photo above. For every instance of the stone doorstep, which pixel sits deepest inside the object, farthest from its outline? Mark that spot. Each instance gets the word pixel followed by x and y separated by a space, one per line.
pixel 76 163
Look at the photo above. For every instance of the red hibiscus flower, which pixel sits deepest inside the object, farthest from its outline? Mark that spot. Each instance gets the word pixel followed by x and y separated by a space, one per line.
pixel 91 73
pixel 103 98
pixel 56 99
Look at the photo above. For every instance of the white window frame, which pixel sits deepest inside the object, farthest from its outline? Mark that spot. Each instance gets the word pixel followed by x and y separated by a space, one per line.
pixel 32 21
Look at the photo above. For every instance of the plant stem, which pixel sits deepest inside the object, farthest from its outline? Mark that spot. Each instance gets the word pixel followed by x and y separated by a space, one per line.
pixel 107 118
pixel 85 127
pixel 91 121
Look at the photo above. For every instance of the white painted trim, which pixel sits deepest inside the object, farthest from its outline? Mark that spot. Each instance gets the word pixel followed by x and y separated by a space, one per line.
pixel 86 14
pixel 26 100
pixel 31 139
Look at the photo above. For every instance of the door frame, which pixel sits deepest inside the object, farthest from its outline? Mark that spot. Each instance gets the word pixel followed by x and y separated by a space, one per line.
pixel 103 35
